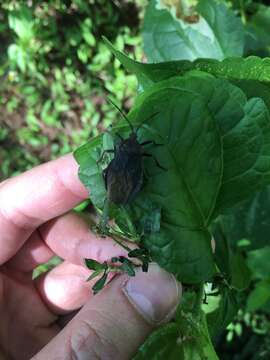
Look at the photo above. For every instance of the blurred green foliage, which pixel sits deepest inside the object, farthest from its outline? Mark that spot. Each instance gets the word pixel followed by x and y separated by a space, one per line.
pixel 56 72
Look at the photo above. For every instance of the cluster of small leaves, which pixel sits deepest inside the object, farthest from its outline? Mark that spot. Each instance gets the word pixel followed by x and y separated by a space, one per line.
pixel 120 264
pixel 98 268
pixel 142 255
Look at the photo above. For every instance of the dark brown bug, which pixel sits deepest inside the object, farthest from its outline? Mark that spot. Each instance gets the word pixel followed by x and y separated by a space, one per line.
pixel 124 175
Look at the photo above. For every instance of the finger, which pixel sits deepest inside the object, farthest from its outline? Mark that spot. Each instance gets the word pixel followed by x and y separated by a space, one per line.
pixel 34 252
pixel 129 309
pixel 69 237
pixel 64 288
pixel 34 197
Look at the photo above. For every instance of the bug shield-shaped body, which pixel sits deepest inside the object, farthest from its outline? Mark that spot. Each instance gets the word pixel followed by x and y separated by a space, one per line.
pixel 124 175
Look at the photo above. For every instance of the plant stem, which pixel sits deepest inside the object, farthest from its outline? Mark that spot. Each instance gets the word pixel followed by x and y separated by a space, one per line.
pixel 120 242
pixel 242 11
pixel 199 298
pixel 105 216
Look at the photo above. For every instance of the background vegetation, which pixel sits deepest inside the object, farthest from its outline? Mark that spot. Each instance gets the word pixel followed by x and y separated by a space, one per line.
pixel 56 73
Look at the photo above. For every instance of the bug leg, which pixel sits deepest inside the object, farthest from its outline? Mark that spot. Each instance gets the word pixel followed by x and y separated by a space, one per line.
pixel 155 160
pixel 152 142
pixel 147 119
pixel 120 137
pixel 110 151
pixel 146 176
pixel 104 175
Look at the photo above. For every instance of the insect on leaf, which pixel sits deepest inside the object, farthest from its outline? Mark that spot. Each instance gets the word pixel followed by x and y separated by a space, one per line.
pixel 200 121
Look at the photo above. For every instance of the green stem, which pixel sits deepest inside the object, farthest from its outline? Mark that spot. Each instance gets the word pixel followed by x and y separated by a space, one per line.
pixel 131 227
pixel 242 12
pixel 199 299
pixel 105 217
pixel 119 242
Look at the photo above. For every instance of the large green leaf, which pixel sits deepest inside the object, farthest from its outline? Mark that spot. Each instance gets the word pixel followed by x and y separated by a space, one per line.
pixel 189 134
pixel 200 121
pixel 243 125
pixel 246 155
pixel 169 35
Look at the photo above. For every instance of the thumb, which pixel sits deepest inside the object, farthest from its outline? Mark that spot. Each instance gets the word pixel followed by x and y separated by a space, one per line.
pixel 114 323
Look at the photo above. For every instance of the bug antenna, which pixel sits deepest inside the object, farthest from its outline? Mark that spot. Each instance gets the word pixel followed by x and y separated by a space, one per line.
pixel 149 118
pixel 121 112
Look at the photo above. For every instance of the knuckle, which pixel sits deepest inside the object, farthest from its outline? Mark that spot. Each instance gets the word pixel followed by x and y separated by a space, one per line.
pixel 87 342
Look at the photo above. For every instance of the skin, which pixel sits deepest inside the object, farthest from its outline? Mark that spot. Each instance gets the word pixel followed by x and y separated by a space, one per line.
pixel 36 224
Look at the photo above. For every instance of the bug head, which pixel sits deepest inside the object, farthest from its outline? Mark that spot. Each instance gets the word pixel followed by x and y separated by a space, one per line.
pixel 133 130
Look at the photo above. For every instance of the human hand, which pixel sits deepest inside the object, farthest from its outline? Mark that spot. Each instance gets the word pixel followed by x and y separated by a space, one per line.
pixel 35 225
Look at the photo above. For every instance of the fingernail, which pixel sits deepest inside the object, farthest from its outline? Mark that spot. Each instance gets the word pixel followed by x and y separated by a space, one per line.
pixel 155 294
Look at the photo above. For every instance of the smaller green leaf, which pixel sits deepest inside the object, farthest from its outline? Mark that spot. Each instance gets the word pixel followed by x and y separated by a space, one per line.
pixel 114 259
pixel 94 274
pixel 232 68
pixel 168 34
pixel 146 216
pixel 241 275
pixel 258 262
pixel 222 251
pixel 249 220
pixel 165 343
pixel 145 266
pixel 254 88
pixel 151 222
pixel 258 37
pixel 128 267
pixel 185 339
pixel 95 265
pixel 100 283
pixel 22 23
pixel 228 306
pixel 138 252
pixel 259 296
pixel 82 206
